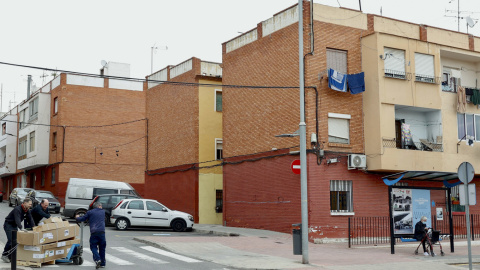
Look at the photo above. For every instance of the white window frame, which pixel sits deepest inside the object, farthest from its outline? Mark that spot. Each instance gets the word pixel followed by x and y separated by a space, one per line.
pixel 394 63
pixel 340 116
pixel 55 105
pixel 218 141
pixel 33 109
pixel 22 118
pixel 335 60
pixel 215 100
pixel 335 186
pixel 424 68
pixel 32 141
pixel 22 147
pixel 475 135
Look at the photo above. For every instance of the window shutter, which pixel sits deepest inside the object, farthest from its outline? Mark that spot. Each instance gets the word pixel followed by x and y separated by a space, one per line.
pixel 338 128
pixel 424 65
pixel 394 60
pixel 337 60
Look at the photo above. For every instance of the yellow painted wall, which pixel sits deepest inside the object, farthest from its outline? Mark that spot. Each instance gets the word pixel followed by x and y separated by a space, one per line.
pixel 210 128
pixel 382 94
pixel 448 38
pixel 340 16
pixel 395 27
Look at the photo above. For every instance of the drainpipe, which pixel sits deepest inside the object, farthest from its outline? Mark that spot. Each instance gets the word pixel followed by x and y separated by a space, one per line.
pixel 28 86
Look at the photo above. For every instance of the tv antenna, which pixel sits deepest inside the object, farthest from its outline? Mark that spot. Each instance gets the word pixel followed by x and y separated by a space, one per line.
pixel 458 15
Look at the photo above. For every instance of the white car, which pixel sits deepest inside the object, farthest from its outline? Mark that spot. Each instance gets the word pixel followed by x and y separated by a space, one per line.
pixel 148 213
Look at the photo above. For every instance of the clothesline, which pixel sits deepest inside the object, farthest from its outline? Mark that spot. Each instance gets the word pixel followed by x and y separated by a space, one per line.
pixel 343 82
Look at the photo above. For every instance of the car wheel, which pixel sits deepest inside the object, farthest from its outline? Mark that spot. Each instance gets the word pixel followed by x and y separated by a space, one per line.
pixel 16 203
pixel 122 224
pixel 80 212
pixel 9 203
pixel 179 225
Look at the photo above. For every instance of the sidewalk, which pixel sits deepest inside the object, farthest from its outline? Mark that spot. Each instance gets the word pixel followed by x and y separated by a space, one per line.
pixel 261 249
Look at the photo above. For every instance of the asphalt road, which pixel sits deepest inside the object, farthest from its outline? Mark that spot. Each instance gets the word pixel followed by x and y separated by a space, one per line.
pixel 125 253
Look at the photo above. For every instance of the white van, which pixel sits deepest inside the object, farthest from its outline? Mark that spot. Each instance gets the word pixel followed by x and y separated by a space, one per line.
pixel 80 192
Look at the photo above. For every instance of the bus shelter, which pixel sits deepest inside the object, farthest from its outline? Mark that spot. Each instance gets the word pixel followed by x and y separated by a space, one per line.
pixel 409 203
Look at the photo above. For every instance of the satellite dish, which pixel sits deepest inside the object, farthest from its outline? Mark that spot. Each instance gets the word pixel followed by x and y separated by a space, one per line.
pixel 470 22
pixel 104 63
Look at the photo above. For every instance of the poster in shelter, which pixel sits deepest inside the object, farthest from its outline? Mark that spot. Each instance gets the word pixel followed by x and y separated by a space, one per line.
pixel 402 211
pixel 421 206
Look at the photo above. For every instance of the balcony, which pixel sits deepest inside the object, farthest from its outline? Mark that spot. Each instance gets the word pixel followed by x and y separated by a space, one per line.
pixel 421 145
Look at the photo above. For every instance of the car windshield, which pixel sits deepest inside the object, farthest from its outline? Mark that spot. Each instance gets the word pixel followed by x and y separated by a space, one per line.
pixel 44 195
pixel 23 191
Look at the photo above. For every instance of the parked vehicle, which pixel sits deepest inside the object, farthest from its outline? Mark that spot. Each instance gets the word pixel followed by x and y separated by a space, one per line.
pixel 109 201
pixel 38 195
pixel 80 192
pixel 18 195
pixel 1 196
pixel 149 213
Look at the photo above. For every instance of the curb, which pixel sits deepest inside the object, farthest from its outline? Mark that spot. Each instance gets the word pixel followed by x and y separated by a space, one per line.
pixel 215 232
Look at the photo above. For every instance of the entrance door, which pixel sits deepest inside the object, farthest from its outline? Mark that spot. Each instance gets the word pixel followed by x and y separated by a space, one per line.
pixel 32 180
pixel 398 132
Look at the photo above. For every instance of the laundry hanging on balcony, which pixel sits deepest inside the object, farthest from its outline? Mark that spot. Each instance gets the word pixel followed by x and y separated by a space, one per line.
pixel 356 83
pixel 461 100
pixel 337 81
pixel 406 134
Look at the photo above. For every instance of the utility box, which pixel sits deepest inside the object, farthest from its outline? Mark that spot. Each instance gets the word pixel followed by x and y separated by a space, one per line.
pixel 297 238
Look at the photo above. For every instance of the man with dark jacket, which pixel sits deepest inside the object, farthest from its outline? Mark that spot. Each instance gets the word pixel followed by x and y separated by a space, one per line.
pixel 96 219
pixel 13 222
pixel 40 211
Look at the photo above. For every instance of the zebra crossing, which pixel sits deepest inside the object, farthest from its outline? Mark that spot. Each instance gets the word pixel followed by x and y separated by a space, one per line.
pixel 147 254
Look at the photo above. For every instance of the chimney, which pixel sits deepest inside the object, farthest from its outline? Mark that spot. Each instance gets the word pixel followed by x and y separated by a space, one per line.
pixel 28 86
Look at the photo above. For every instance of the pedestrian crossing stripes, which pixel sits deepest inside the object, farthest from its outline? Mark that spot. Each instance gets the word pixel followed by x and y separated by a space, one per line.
pixel 170 254
pixel 138 255
pixel 126 253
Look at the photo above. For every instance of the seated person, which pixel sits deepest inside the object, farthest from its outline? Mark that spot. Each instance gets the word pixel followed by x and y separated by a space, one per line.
pixel 420 232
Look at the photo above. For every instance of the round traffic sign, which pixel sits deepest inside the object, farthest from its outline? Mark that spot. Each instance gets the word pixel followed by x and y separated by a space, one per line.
pixel 296 166
pixel 465 172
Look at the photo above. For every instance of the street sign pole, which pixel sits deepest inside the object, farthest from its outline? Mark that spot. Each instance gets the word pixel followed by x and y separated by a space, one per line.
pixel 465 174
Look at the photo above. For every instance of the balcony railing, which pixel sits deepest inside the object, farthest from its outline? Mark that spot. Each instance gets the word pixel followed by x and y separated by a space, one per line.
pixel 422 145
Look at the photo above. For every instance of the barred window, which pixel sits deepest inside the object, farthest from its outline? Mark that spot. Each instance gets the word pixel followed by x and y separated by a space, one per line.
pixel 341 196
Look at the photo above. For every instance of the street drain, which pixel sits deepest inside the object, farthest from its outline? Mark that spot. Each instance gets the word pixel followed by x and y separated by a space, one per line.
pixel 279 242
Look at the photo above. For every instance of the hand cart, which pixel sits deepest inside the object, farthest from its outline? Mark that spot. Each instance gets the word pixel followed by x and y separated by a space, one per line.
pixel 74 256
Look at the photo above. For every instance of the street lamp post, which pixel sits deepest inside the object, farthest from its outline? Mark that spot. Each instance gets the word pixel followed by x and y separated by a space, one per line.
pixel 303 139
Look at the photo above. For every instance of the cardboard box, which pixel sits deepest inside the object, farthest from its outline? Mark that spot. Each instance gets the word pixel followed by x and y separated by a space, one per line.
pixel 68 232
pixel 53 220
pixel 45 253
pixel 46 233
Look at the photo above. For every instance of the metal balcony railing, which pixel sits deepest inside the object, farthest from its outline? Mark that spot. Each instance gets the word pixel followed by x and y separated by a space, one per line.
pixel 422 145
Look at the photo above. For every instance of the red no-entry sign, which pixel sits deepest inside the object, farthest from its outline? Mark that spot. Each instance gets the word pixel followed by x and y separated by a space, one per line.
pixel 296 166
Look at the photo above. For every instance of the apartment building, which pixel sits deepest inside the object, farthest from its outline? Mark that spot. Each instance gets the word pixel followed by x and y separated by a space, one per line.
pixel 184 111
pixel 8 148
pixel 411 73
pixel 80 126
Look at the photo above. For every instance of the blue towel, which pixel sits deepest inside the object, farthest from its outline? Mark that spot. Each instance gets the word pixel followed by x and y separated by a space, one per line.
pixel 356 83
pixel 337 81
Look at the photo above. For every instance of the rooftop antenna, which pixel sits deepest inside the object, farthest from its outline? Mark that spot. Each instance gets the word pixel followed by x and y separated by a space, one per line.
pixel 154 49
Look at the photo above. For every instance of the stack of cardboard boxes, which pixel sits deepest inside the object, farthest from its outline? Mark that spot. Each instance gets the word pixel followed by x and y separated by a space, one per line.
pixel 46 243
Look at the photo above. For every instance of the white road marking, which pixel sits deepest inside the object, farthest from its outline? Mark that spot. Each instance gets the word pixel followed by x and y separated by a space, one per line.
pixel 170 254
pixel 138 255
pixel 112 259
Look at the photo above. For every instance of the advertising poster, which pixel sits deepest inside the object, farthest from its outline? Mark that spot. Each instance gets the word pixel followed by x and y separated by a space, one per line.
pixel 402 211
pixel 421 206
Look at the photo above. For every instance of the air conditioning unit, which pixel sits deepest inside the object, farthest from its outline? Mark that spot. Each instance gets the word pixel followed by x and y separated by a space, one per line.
pixel 357 161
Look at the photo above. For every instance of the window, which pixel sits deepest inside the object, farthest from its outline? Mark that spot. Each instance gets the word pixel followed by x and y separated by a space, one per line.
pixel 22 119
pixel 33 109
pixel 55 105
pixel 22 148
pixel 218 149
pixel 219 201
pixel 54 140
pixel 53 176
pixel 424 68
pixel 337 60
pixel 124 205
pixel 136 204
pixel 32 141
pixel 468 125
pixel 450 79
pixel 394 61
pixel 4 128
pixel 218 100
pixel 455 196
pixel 153 206
pixel 101 191
pixel 339 128
pixel 341 197
pixel 43 179
pixel 103 200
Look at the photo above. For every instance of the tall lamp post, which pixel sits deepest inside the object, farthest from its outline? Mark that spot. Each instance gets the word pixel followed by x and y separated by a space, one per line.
pixel 303 139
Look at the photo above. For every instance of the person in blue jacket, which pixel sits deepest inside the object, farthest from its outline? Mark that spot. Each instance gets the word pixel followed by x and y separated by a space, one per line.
pixel 96 218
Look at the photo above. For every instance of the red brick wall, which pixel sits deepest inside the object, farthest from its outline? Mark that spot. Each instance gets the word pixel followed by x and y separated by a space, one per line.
pixel 92 152
pixel 172 112
pixel 176 189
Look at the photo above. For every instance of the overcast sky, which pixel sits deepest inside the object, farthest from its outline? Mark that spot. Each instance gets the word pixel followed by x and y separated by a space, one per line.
pixel 77 35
